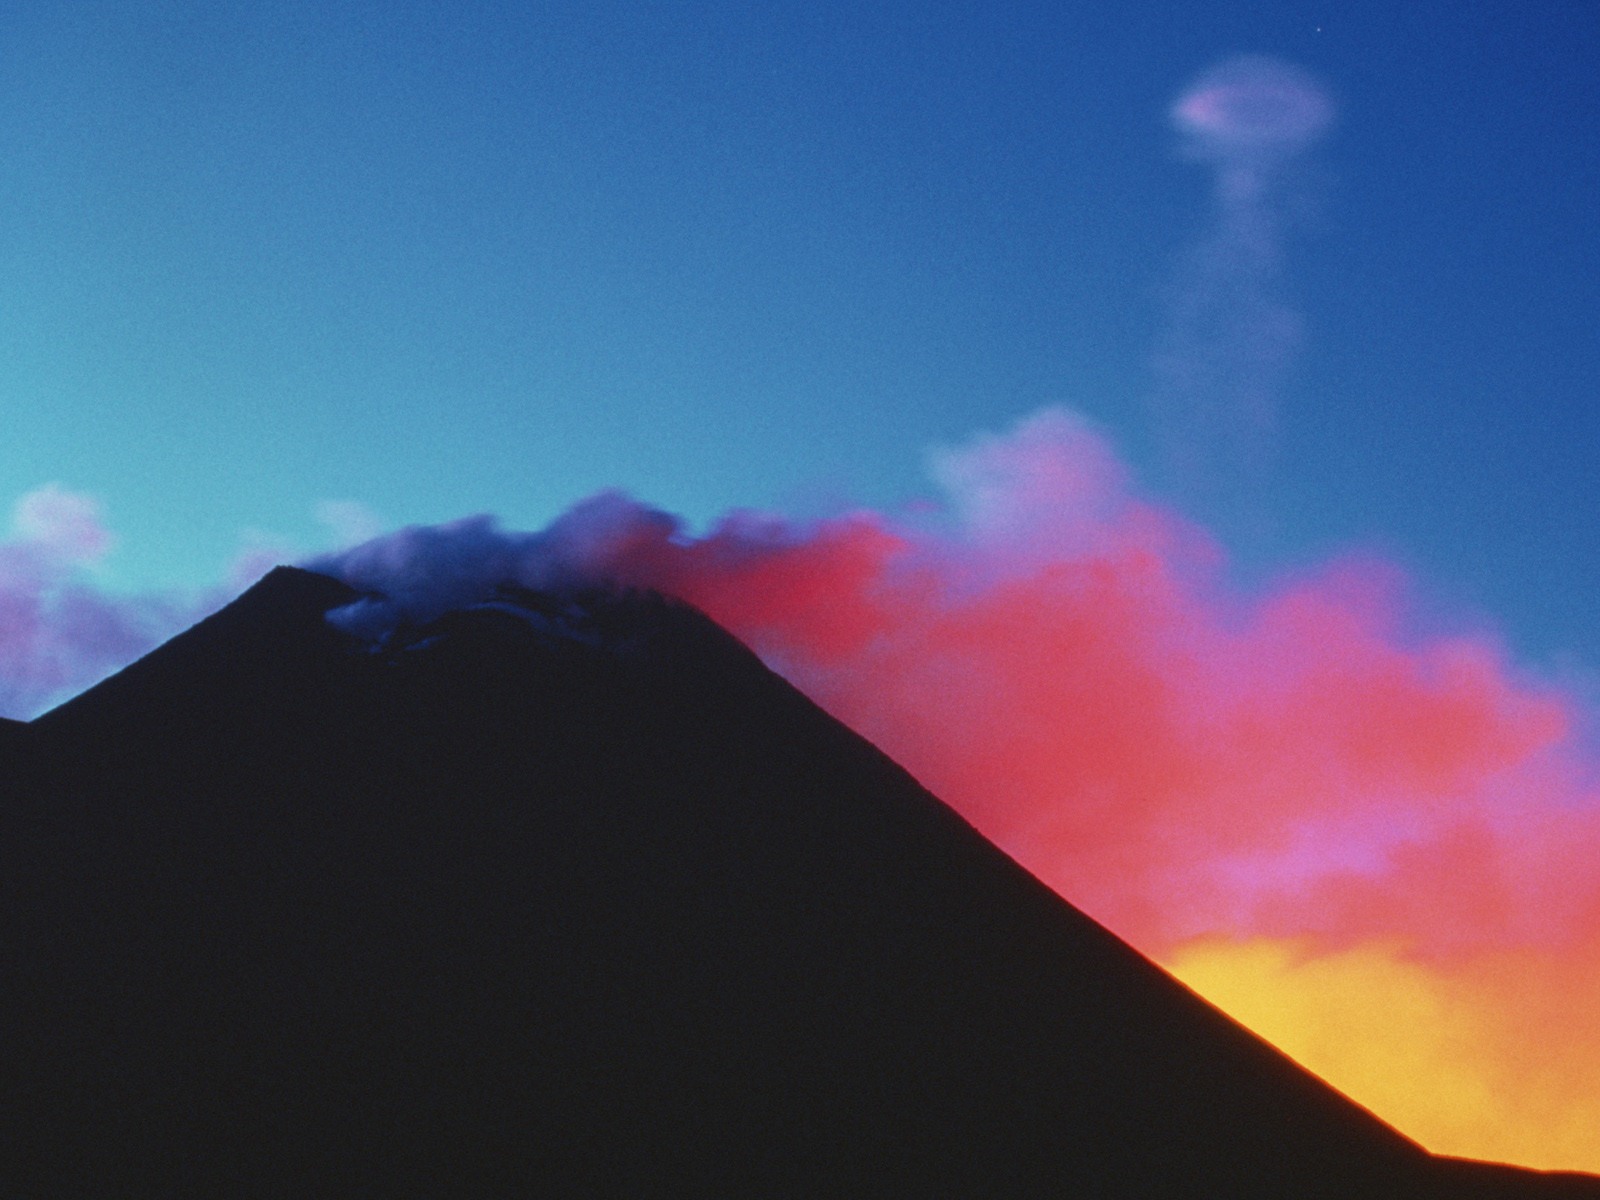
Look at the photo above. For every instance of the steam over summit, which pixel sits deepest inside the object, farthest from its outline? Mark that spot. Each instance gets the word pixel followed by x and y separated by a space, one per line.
pixel 567 894
pixel 1374 842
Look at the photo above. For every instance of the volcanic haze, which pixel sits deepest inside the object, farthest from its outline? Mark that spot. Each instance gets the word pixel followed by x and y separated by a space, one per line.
pixel 562 891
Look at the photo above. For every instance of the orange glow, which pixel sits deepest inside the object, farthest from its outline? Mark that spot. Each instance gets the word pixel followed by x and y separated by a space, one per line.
pixel 1377 845
pixel 1465 1061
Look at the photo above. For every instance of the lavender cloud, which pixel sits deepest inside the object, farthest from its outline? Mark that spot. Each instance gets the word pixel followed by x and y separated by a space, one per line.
pixel 1231 334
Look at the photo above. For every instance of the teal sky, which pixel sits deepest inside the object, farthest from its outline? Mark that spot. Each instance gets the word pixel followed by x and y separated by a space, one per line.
pixel 443 259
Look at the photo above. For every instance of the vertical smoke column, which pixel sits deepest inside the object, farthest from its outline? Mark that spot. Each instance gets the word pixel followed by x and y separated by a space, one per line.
pixel 1230 336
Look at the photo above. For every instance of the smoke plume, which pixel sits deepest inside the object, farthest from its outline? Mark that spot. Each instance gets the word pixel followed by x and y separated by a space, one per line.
pixel 1331 826
pixel 1378 846
pixel 1231 335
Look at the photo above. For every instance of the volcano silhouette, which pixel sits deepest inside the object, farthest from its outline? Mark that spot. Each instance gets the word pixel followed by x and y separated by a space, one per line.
pixel 570 895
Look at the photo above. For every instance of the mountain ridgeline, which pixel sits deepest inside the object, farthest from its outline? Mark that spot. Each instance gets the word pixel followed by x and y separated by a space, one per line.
pixel 570 895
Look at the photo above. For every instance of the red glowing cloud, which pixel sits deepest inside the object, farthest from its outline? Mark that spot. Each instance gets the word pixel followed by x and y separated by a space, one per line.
pixel 1383 852
pixel 1175 759
pixel 1379 849
pixel 1063 662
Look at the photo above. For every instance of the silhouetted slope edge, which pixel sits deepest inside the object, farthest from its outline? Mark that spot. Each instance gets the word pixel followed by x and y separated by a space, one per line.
pixel 1467 1177
pixel 263 650
pixel 571 895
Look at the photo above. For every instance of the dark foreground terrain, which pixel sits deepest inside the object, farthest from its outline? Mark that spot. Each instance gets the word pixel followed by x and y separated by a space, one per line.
pixel 574 897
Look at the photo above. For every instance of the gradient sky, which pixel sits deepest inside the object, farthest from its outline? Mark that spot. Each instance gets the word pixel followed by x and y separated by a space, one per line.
pixel 447 258
pixel 1059 299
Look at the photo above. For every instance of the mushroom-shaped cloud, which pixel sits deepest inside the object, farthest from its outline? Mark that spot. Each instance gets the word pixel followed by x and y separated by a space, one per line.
pixel 1251 108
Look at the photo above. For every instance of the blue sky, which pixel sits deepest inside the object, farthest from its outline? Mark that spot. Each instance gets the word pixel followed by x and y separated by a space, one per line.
pixel 442 259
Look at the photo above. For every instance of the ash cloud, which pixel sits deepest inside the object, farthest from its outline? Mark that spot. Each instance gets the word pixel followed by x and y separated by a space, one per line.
pixel 1231 333
pixel 1063 661
pixel 1283 792
pixel 1278 794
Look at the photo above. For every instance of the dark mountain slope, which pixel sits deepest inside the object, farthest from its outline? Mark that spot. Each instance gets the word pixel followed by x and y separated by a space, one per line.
pixel 573 896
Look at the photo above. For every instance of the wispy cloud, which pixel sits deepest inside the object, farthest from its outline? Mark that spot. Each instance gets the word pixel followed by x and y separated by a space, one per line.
pixel 63 629
pixel 1231 334
pixel 60 631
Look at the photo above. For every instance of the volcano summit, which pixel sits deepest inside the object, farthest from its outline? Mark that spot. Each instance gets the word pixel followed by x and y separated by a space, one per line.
pixel 569 895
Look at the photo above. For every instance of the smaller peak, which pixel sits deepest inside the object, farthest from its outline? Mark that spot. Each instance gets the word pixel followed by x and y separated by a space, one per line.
pixel 276 627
